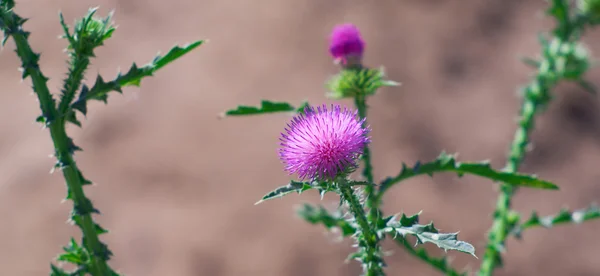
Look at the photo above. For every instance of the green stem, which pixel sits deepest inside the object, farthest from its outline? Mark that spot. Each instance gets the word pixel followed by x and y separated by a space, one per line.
pixel 82 206
pixel 536 96
pixel 372 202
pixel 367 238
pixel 79 64
pixel 11 25
pixel 501 225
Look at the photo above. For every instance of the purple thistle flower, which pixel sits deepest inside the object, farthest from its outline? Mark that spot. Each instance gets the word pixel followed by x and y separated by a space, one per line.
pixel 321 144
pixel 345 42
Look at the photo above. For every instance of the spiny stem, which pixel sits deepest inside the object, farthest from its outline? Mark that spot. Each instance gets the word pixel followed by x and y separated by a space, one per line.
pixel 82 206
pixel 536 96
pixel 372 262
pixel 78 65
pixel 374 196
pixel 500 227
pixel 11 25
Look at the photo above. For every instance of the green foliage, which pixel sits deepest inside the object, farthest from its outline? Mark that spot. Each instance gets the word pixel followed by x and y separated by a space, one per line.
pixel 448 163
pixel 590 9
pixel 8 20
pixel 90 256
pixel 133 77
pixel 441 264
pixel 428 233
pixel 368 249
pixel 88 34
pixel 299 187
pixel 563 217
pixel 336 220
pixel 64 147
pixel 55 271
pixel 319 215
pixel 292 187
pixel 563 58
pixel 76 255
pixel 355 82
pixel 7 4
pixel 264 108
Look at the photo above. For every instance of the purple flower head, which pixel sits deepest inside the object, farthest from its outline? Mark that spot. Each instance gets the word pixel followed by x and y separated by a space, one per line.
pixel 320 144
pixel 345 41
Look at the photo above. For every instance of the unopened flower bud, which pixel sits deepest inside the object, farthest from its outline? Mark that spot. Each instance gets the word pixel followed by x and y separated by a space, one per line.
pixel 346 45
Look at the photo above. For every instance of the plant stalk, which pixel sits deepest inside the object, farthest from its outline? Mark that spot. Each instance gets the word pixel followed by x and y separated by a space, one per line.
pixel 372 199
pixel 536 96
pixel 372 262
pixel 11 25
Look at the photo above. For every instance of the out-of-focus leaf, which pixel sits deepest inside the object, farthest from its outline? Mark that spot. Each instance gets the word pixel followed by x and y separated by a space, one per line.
pixel 265 107
pixel 448 163
pixel 563 217
pixel 316 215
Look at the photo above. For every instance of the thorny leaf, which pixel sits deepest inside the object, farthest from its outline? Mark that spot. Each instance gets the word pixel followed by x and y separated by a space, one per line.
pixel 448 163
pixel 428 233
pixel 133 77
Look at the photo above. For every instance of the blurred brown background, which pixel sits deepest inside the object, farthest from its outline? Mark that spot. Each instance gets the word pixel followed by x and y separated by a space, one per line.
pixel 177 186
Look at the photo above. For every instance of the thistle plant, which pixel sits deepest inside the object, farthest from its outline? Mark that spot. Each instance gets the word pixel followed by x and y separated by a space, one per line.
pixel 324 147
pixel 90 255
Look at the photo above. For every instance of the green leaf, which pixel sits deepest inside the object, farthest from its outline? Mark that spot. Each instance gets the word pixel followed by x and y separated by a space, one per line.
pixel 293 186
pixel 559 9
pixel 563 217
pixel 448 163
pixel 65 28
pixel 133 77
pixel 74 254
pixel 7 4
pixel 298 187
pixel 99 229
pixel 428 233
pixel 440 264
pixel 71 118
pixel 302 107
pixel 57 271
pixel 265 107
pixel 173 54
pixel 316 215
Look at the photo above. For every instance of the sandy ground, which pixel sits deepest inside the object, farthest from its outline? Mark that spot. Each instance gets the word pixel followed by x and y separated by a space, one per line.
pixel 177 186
